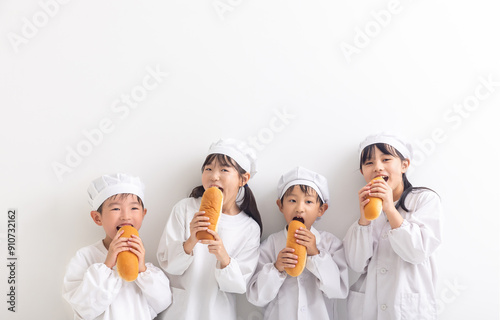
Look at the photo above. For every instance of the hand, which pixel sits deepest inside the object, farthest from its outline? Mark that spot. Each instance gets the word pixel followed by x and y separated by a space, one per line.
pixel 216 247
pixel 286 259
pixel 198 223
pixel 380 189
pixel 136 247
pixel 116 246
pixel 308 239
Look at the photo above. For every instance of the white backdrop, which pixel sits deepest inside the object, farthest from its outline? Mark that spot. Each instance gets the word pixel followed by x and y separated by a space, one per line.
pixel 144 87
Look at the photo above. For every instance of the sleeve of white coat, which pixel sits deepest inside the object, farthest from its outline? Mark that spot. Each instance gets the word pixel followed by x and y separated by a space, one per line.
pixel 358 246
pixel 330 267
pixel 267 280
pixel 419 235
pixel 235 276
pixel 155 287
pixel 90 290
pixel 171 255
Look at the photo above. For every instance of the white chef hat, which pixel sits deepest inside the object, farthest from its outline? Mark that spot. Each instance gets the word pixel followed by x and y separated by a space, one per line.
pixel 398 142
pixel 109 185
pixel 300 175
pixel 239 151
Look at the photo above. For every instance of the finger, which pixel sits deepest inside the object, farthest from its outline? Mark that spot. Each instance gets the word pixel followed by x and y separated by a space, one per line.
pixel 215 234
pixel 287 250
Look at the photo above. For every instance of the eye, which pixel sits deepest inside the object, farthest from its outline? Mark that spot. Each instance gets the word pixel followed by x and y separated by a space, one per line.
pixel 292 200
pixel 135 208
pixel 367 163
pixel 310 202
pixel 115 209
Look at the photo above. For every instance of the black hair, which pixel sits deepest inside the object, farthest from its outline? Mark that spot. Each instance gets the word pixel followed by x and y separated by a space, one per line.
pixel 249 205
pixel 121 195
pixel 306 189
pixel 367 154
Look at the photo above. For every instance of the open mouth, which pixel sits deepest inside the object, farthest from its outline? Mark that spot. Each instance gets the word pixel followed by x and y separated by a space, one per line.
pixel 386 178
pixel 299 219
pixel 119 227
pixel 221 189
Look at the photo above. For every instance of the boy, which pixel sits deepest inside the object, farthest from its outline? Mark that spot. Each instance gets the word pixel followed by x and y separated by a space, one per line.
pixel 92 285
pixel 302 195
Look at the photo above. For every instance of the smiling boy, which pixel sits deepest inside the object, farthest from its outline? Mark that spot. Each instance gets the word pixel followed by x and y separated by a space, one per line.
pixel 302 195
pixel 92 285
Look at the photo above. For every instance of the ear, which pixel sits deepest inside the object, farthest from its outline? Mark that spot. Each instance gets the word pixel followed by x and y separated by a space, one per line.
pixel 96 216
pixel 244 179
pixel 322 209
pixel 405 164
pixel 144 213
pixel 280 206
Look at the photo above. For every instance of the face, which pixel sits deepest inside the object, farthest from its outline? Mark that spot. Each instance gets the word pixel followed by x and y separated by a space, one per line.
pixel 224 177
pixel 117 212
pixel 298 204
pixel 387 166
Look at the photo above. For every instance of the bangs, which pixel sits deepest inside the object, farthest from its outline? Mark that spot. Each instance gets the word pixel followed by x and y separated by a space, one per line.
pixel 223 160
pixel 369 151
pixel 307 190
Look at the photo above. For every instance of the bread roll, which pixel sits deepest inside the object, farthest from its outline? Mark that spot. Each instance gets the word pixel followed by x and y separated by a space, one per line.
pixel 374 207
pixel 211 203
pixel 127 262
pixel 300 250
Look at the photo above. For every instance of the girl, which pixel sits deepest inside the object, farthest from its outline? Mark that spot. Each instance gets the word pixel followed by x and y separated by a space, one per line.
pixel 395 252
pixel 206 274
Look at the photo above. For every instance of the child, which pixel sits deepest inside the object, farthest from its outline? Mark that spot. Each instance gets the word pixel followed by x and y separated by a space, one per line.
pixel 205 275
pixel 302 195
pixel 395 252
pixel 92 285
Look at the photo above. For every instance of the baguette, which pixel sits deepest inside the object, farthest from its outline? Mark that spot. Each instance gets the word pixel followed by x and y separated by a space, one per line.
pixel 374 207
pixel 300 250
pixel 127 263
pixel 211 203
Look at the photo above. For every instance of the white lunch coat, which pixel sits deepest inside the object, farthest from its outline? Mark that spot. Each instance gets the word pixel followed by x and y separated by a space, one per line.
pixel 398 266
pixel 201 290
pixel 95 291
pixel 312 294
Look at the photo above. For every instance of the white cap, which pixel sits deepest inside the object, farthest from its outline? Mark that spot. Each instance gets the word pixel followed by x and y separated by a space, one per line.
pixel 239 151
pixel 300 175
pixel 401 144
pixel 109 185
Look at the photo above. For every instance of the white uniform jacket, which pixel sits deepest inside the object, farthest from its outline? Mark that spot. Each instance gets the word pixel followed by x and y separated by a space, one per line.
pixel 201 290
pixel 312 294
pixel 398 269
pixel 94 291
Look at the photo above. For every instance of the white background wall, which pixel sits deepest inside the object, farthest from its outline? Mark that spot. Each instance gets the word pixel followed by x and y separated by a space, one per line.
pixel 304 81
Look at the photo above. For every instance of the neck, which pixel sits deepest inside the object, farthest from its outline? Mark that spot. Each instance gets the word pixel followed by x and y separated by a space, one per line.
pixel 230 209
pixel 396 193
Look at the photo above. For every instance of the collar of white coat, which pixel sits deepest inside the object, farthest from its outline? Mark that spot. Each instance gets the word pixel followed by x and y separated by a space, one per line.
pixel 313 230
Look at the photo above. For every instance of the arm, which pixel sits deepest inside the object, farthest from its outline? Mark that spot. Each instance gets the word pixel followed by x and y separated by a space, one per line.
pixel 235 276
pixel 155 287
pixel 358 246
pixel 171 254
pixel 420 234
pixel 330 267
pixel 267 280
pixel 89 289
